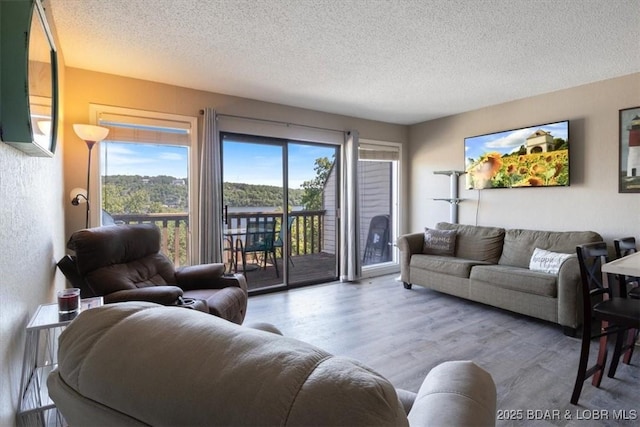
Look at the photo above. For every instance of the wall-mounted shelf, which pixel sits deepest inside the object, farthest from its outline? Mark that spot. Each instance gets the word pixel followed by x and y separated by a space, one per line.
pixel 453 199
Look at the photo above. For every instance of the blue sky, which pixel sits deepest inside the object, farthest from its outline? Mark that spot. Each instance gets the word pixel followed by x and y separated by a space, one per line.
pixel 262 164
pixel 243 162
pixel 508 141
pixel 144 159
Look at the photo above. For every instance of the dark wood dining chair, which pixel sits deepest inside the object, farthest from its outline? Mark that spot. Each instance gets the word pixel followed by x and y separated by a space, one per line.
pixel 615 316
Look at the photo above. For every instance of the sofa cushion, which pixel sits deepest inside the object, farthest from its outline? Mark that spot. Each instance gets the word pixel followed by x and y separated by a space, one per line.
pixel 547 261
pixel 453 266
pixel 439 242
pixel 519 244
pixel 476 242
pixel 517 279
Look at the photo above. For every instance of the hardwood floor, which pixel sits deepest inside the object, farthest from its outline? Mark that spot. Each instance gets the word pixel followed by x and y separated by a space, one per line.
pixel 402 334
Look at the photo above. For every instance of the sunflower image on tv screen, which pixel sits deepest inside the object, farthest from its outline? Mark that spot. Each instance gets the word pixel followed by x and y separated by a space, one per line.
pixel 536 156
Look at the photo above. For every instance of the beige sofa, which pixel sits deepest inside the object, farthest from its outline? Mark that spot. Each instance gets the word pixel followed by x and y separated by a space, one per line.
pixel 138 363
pixel 491 265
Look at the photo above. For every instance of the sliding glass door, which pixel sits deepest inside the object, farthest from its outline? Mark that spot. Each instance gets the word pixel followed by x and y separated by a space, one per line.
pixel 253 198
pixel 274 246
pixel 312 232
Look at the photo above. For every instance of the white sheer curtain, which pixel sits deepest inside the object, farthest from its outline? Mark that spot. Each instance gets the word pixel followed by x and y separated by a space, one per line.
pixel 210 191
pixel 350 265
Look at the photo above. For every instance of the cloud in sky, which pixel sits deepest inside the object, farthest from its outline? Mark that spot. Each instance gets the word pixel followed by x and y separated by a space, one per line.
pixel 143 159
pixel 510 141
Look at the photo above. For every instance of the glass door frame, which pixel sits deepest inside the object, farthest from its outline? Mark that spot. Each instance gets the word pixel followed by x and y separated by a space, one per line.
pixel 284 144
pixel 393 265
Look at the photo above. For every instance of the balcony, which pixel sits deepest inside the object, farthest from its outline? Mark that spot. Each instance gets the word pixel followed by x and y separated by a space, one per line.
pixel 312 251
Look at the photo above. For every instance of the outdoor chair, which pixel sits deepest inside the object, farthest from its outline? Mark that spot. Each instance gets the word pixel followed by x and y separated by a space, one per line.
pixel 124 263
pixel 376 249
pixel 258 240
pixel 612 315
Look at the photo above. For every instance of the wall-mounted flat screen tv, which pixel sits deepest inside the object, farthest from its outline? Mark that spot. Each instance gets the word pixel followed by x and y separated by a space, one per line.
pixel 535 156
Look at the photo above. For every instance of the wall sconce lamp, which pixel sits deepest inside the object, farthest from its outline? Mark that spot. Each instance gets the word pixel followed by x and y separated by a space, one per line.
pixel 43 136
pixel 78 195
pixel 91 135
pixel 44 126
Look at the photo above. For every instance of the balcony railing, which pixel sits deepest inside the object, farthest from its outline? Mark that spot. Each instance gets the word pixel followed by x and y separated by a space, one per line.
pixel 307 230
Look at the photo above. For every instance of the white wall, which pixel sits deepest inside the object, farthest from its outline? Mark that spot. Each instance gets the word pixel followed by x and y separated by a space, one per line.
pixel 31 242
pixel 592 202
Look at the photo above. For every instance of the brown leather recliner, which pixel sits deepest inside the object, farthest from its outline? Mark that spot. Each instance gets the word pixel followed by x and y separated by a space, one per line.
pixel 124 263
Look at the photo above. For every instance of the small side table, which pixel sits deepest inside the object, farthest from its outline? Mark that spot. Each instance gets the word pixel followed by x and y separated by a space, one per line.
pixel 35 407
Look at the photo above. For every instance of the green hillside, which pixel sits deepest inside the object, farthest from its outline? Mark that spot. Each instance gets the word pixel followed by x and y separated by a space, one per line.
pixel 135 194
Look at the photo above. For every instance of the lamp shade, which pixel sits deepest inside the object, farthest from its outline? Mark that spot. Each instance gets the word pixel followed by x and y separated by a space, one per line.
pixel 90 132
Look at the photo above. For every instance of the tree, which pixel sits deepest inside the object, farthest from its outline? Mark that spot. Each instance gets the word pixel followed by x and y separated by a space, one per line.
pixel 313 189
pixel 560 144
pixel 111 199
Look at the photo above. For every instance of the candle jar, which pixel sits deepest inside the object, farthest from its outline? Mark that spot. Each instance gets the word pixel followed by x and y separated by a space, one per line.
pixel 68 301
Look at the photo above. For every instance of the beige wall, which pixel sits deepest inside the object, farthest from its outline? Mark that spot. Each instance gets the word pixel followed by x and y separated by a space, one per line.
pixel 32 241
pixel 591 202
pixel 86 87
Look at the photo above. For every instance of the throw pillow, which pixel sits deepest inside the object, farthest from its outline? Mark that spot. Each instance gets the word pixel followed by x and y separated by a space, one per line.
pixel 439 242
pixel 547 261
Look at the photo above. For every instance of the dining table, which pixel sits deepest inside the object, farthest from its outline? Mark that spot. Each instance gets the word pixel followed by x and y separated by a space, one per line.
pixel 236 238
pixel 231 236
pixel 627 266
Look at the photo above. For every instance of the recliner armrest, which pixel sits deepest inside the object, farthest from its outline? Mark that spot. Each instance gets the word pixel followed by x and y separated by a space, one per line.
pixel 203 276
pixel 165 295
pixel 457 393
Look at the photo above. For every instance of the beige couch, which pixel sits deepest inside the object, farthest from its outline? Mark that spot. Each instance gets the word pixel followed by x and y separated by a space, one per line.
pixel 138 363
pixel 491 265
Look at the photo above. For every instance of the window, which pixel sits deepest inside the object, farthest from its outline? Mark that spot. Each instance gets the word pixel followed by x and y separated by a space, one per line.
pixel 378 199
pixel 147 175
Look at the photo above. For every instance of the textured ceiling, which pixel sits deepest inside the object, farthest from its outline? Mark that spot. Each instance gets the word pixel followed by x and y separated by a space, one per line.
pixel 402 61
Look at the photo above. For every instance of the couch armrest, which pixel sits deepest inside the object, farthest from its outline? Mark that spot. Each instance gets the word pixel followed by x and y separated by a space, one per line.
pixel 570 294
pixel 408 244
pixel 238 280
pixel 165 295
pixel 457 393
pixel 202 276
